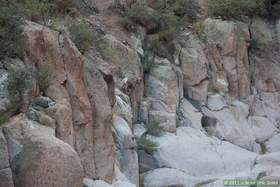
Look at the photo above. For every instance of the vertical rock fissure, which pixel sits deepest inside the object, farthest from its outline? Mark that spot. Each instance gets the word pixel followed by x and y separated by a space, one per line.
pixel 251 64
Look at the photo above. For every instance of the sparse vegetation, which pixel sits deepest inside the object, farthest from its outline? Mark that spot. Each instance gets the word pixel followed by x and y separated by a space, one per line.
pixel 147 145
pixel 86 37
pixel 154 128
pixel 19 79
pixel 188 9
pixel 165 20
pixel 199 30
pixel 263 148
pixel 10 31
pixel 139 13
pixel 148 61
pixel 43 10
pixel 236 9
pixel 179 117
pixel 43 77
pixel 82 35
pixel 3 119
pixel 105 49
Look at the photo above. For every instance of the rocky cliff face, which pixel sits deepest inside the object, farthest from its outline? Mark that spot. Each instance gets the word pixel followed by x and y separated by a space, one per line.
pixel 207 111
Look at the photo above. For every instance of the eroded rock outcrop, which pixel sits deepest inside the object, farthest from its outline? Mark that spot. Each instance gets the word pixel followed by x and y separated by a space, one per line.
pixel 83 110
pixel 38 158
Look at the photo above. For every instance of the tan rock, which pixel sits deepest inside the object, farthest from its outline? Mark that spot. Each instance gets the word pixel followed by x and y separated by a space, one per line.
pixel 227 44
pixel 98 93
pixel 83 111
pixel 39 158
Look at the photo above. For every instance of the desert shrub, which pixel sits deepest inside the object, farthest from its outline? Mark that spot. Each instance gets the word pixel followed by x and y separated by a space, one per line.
pixel 255 44
pixel 148 61
pixel 139 13
pixel 42 10
pixel 106 50
pixel 10 31
pixel 236 9
pixel 263 148
pixel 147 145
pixel 199 30
pixel 3 119
pixel 154 128
pixel 169 24
pixel 272 9
pixel 19 80
pixel 43 78
pixel 82 35
pixel 188 9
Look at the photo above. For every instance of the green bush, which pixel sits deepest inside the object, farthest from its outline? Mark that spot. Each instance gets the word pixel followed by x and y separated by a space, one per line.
pixel 148 61
pixel 139 13
pixel 147 145
pixel 19 80
pixel 187 8
pixel 154 128
pixel 263 148
pixel 199 30
pixel 82 35
pixel 10 31
pixel 3 119
pixel 43 78
pixel 105 49
pixel 236 9
pixel 42 10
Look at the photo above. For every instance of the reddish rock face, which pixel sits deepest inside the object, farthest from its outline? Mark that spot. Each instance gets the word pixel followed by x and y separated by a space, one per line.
pixel 228 56
pixel 80 121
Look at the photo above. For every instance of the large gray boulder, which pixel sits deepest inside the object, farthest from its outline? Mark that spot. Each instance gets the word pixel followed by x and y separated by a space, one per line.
pixel 163 177
pixel 268 165
pixel 273 144
pixel 232 124
pixel 196 154
pixel 262 128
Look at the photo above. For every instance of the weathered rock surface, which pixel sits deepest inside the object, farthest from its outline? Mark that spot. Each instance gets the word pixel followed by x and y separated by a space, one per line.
pixel 189 115
pixel 232 124
pixel 273 144
pixel 228 56
pixel 193 63
pixel 265 55
pixel 168 177
pixel 268 165
pixel 196 154
pixel 162 91
pixel 126 149
pixel 83 111
pixel 38 158
pixel 262 128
